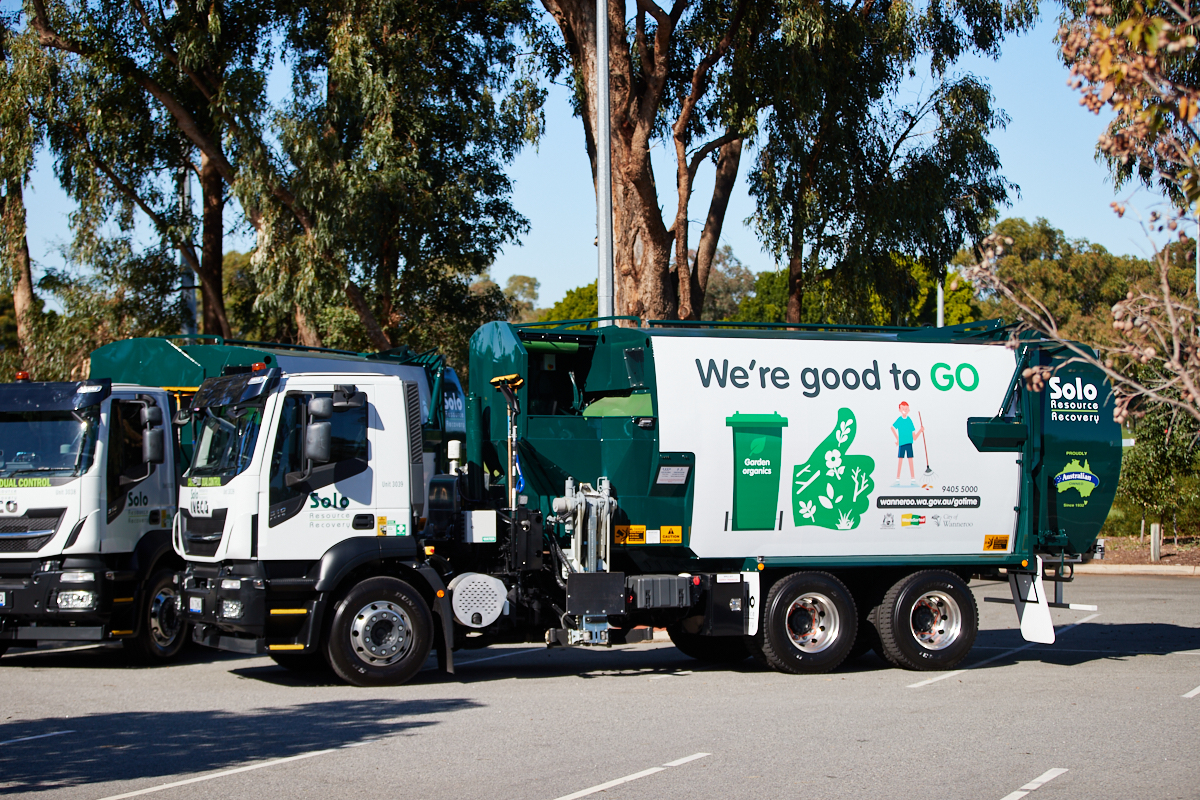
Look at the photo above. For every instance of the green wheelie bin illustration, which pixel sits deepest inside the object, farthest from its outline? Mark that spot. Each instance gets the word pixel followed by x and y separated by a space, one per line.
pixel 757 462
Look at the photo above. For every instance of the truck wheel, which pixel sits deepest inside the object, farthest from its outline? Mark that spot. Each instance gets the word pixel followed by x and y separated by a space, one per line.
pixel 162 632
pixel 381 633
pixel 810 623
pixel 713 649
pixel 927 621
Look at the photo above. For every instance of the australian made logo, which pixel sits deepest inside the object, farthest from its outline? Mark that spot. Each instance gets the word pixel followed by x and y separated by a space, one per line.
pixel 1078 477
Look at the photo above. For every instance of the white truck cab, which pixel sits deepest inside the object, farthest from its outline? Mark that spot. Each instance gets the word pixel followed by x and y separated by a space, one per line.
pixel 87 494
pixel 285 495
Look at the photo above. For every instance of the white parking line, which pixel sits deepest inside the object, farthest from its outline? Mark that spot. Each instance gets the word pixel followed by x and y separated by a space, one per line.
pixel 1036 783
pixel 1193 693
pixel 274 762
pixel 943 677
pixel 635 776
pixel 39 736
pixel 678 674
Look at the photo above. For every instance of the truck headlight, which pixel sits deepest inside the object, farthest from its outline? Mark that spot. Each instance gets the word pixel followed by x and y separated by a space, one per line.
pixel 77 577
pixel 76 600
pixel 231 609
pixel 231 583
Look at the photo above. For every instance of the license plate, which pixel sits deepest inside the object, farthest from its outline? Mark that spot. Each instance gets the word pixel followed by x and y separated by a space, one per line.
pixel 196 604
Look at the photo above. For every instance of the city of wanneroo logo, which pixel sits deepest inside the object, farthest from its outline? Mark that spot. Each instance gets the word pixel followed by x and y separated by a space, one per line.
pixel 1077 477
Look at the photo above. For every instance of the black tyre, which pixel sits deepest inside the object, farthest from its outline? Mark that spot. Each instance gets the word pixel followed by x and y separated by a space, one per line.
pixel 162 633
pixel 809 623
pixel 927 621
pixel 306 663
pixel 713 649
pixel 381 633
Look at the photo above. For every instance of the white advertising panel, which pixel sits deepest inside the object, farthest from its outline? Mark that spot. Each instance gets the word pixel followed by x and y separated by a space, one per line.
pixel 830 448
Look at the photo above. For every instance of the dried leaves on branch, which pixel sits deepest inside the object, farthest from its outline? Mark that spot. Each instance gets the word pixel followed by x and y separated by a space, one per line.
pixel 1140 64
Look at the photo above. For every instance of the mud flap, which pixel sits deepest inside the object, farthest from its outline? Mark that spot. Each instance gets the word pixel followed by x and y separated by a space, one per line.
pixel 445 641
pixel 1033 609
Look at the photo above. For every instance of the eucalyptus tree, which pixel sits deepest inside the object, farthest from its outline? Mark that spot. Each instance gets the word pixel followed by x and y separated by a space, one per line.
pixel 847 179
pixel 23 78
pixel 388 152
pixel 704 75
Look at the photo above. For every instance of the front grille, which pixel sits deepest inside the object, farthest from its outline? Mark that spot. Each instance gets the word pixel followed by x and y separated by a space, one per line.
pixel 29 532
pixel 202 535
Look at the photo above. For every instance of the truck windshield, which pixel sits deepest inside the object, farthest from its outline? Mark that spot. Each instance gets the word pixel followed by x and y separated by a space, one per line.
pixel 47 443
pixel 225 441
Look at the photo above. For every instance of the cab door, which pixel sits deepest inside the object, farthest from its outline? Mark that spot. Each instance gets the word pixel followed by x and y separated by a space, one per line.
pixel 137 493
pixel 306 508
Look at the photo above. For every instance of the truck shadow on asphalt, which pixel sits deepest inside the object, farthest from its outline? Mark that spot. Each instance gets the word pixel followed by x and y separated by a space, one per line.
pixel 106 656
pixel 163 745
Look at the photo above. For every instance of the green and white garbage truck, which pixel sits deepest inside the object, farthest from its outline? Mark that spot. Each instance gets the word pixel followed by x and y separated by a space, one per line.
pixel 89 475
pixel 796 495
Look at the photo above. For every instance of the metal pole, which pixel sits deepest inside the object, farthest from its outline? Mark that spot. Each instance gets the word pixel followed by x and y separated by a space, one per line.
pixel 187 276
pixel 604 231
pixel 941 300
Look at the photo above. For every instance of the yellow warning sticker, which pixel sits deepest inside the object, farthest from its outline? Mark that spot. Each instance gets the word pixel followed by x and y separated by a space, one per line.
pixel 672 534
pixel 636 535
pixel 381 523
pixel 622 532
pixel 996 542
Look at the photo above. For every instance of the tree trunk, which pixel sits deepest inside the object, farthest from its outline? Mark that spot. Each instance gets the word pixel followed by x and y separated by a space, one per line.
pixel 1142 535
pixel 20 265
pixel 795 303
pixel 212 250
pixel 728 160
pixel 643 282
pixel 374 332
pixel 306 331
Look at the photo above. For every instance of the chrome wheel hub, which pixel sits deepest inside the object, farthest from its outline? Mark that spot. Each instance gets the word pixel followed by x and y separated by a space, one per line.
pixel 813 623
pixel 381 633
pixel 936 620
pixel 164 617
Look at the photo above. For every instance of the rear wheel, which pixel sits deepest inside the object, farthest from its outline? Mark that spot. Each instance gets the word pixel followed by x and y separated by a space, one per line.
pixel 381 633
pixel 809 623
pixel 162 632
pixel 713 649
pixel 927 621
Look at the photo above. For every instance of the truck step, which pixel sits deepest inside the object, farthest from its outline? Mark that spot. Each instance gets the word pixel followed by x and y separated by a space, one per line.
pixel 1072 606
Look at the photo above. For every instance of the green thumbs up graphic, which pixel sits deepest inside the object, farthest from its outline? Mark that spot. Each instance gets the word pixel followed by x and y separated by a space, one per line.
pixel 832 489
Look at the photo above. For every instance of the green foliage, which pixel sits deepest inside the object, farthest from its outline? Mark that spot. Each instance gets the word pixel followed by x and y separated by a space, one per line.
pixel 581 303
pixel 116 294
pixel 729 283
pixel 768 303
pixel 1076 281
pixel 848 175
pixel 1158 474
pixel 522 294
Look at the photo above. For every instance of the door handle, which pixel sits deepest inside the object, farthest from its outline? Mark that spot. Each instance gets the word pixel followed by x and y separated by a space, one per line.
pixel 363 522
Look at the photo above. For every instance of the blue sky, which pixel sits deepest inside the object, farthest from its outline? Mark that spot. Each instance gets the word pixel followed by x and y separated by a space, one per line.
pixel 1047 150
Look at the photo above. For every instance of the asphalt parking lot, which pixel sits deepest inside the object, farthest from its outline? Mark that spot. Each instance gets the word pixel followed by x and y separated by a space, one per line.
pixel 1112 709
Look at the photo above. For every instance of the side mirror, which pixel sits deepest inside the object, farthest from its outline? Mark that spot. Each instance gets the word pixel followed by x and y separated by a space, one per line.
pixel 152 416
pixel 152 444
pixel 320 408
pixel 317 441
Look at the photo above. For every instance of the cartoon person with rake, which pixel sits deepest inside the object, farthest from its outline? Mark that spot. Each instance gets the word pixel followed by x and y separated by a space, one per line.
pixel 905 431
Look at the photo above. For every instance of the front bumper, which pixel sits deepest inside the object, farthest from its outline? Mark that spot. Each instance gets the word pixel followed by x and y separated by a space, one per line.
pixel 37 604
